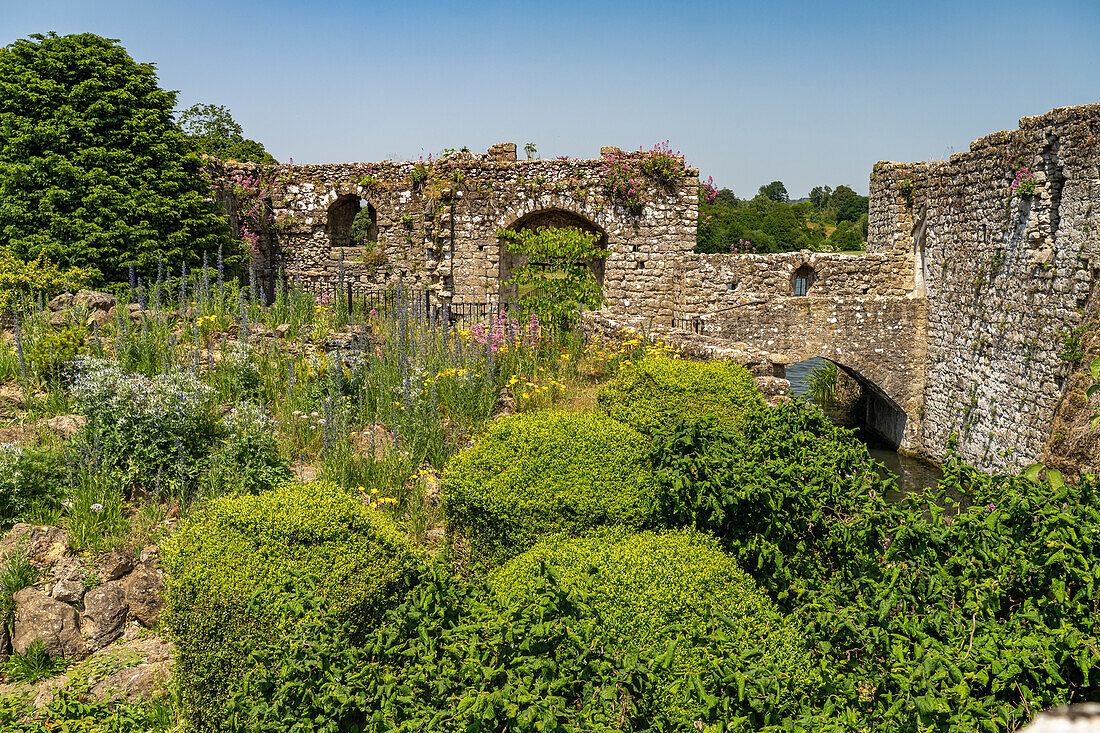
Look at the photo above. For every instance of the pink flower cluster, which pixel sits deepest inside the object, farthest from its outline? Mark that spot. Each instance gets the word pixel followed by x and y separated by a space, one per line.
pixel 742 247
pixel 506 333
pixel 709 191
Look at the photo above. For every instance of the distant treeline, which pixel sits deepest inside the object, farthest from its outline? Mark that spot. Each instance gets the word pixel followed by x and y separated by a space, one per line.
pixel 828 221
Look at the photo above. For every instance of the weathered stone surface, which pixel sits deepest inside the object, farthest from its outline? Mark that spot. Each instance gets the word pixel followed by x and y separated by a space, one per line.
pixel 68 591
pixel 66 425
pixel 44 545
pixel 1079 718
pixel 282 330
pixel 97 319
pixel 60 302
pixel 113 565
pixel 94 300
pixel 37 616
pixel 144 590
pixel 105 610
pixel 59 319
pixel 68 568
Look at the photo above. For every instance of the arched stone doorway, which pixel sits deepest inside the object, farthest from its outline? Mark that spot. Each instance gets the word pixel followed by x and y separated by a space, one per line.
pixel 555 218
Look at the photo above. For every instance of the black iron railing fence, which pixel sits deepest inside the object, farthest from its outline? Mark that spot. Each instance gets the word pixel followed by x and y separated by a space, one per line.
pixel 365 301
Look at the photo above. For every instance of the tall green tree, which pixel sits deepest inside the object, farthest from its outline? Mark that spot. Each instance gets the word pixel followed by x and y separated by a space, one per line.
pixel 776 191
pixel 93 170
pixel 211 129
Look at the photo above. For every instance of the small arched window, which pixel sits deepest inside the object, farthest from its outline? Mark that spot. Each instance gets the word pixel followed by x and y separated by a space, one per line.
pixel 801 281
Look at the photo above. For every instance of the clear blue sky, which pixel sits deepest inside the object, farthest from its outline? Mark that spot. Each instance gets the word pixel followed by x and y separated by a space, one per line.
pixel 804 92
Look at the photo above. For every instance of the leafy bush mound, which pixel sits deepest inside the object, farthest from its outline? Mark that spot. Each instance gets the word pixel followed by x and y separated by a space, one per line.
pixel 249 547
pixel 542 473
pixel 934 615
pixel 649 589
pixel 658 391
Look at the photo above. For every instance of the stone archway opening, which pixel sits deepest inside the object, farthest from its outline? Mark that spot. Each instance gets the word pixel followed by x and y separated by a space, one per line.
pixel 849 397
pixel 552 218
pixel 352 222
pixel 802 280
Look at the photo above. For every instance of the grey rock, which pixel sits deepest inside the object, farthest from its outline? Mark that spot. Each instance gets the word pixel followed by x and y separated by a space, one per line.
pixel 68 591
pixel 61 302
pixel 44 545
pixel 94 300
pixel 282 330
pixel 105 610
pixel 37 616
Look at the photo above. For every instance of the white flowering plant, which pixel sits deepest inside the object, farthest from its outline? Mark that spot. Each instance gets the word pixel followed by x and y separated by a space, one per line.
pixel 151 432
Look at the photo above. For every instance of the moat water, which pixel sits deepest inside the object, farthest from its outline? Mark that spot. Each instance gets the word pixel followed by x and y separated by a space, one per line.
pixel 911 474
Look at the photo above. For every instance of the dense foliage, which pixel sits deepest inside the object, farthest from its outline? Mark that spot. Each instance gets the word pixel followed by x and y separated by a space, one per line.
pixel 454 656
pixel 555 279
pixel 770 222
pixel 93 171
pixel 249 547
pixel 545 472
pixel 936 615
pixel 211 129
pixel 650 589
pixel 657 391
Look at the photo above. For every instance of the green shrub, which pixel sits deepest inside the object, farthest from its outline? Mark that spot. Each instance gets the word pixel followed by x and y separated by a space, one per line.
pixel 657 391
pixel 777 492
pixel 48 353
pixel 248 547
pixel 455 657
pixel 649 589
pixel 545 472
pixel 30 478
pixel 247 459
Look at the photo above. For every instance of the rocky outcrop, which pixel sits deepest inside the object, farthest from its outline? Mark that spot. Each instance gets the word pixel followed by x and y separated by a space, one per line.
pixel 144 591
pixel 56 624
pixel 45 546
pixel 105 610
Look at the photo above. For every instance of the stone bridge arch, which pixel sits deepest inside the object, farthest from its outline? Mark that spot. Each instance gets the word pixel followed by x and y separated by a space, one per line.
pixel 877 341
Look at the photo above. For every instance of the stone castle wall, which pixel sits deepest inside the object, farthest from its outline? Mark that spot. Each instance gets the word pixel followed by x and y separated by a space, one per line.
pixel 437 223
pixel 1007 277
pixel 710 282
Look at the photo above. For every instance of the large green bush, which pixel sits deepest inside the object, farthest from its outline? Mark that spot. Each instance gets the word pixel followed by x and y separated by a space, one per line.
pixel 651 588
pixel 657 391
pixel 935 615
pixel 545 472
pixel 453 657
pixel 249 547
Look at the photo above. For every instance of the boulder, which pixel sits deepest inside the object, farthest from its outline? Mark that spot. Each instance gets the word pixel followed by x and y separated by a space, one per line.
pixel 105 610
pixel 60 302
pixel 44 545
pixel 68 591
pixel 135 684
pixel 94 300
pixel 59 319
pixel 282 330
pixel 144 588
pixel 98 319
pixel 66 425
pixel 13 396
pixel 37 616
pixel 114 565
pixel 68 568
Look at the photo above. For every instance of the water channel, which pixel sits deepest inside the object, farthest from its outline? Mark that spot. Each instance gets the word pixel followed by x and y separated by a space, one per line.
pixel 912 474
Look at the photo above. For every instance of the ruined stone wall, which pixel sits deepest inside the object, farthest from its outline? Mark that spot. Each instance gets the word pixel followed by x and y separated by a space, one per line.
pixel 710 282
pixel 1007 276
pixel 437 224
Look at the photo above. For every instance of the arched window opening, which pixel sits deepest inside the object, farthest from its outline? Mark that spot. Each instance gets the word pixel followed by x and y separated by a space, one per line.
pixel 341 217
pixel 803 278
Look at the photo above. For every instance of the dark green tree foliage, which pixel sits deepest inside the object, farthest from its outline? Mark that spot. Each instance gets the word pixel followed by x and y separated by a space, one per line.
pixel 557 270
pixel 936 616
pixel 775 191
pixel 211 129
pixel 93 171
pixel 771 223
